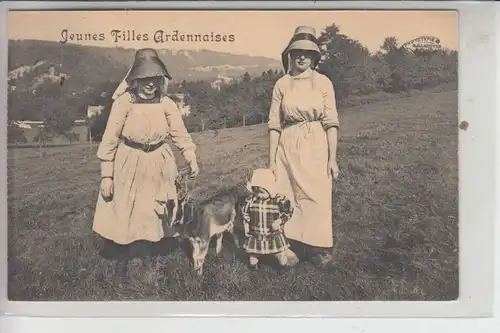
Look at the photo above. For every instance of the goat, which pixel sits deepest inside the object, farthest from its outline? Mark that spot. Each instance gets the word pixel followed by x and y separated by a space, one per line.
pixel 200 222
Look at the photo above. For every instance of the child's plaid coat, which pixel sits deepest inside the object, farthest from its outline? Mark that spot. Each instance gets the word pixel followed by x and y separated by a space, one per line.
pixel 259 215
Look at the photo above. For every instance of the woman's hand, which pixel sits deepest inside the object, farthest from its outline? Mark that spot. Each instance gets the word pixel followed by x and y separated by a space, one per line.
pixel 194 170
pixel 160 208
pixel 333 168
pixel 276 225
pixel 107 188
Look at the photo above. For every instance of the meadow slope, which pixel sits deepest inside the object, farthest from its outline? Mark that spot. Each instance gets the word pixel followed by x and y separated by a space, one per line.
pixel 395 217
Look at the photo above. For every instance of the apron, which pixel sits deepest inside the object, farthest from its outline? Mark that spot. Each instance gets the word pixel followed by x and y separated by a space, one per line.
pixel 301 164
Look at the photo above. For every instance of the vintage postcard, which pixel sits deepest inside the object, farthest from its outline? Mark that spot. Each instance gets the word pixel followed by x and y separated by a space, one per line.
pixel 233 155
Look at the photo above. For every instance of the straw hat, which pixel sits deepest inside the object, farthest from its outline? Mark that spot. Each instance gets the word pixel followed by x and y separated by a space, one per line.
pixel 304 38
pixel 146 64
pixel 264 178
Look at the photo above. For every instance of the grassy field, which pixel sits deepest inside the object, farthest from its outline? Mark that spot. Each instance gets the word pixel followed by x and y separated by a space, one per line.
pixel 395 217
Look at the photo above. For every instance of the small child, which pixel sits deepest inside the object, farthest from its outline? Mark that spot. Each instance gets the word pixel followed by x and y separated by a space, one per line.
pixel 264 214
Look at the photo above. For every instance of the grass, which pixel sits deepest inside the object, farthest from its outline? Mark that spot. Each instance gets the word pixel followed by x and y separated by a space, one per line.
pixel 395 217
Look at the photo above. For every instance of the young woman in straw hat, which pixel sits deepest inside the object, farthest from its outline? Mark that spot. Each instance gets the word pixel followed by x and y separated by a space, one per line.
pixel 303 123
pixel 138 168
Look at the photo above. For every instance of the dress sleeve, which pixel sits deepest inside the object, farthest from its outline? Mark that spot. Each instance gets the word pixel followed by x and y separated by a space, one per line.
pixel 244 210
pixel 285 208
pixel 110 139
pixel 274 122
pixel 178 132
pixel 331 118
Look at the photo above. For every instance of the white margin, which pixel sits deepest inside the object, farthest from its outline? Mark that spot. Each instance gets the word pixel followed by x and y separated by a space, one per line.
pixel 477 175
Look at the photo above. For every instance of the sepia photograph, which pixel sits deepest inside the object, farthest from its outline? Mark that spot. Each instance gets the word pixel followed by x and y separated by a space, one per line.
pixel 264 155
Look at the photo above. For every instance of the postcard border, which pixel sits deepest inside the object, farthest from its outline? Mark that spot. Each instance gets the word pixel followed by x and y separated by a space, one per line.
pixel 477 170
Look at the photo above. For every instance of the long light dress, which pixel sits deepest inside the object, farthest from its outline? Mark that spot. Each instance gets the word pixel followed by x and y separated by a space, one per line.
pixel 140 177
pixel 303 108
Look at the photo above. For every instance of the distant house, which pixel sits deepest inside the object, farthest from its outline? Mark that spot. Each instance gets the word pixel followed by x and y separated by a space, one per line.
pixel 29 124
pixel 21 71
pixel 22 124
pixel 31 130
pixel 50 76
pixel 221 80
pixel 94 110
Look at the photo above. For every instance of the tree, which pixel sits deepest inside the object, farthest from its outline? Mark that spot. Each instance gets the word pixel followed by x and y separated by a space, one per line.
pixel 389 45
pixel 56 109
pixel 395 59
pixel 344 60
pixel 15 134
pixel 19 106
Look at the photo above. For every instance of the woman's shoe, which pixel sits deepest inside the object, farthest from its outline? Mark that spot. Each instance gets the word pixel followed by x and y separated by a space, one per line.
pixel 322 258
pixel 253 267
pixel 253 263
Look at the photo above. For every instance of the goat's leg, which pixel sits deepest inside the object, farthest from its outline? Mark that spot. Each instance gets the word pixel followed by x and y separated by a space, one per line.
pixel 218 246
pixel 200 251
pixel 235 237
pixel 124 256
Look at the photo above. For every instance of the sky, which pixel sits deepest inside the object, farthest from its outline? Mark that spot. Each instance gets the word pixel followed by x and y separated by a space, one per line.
pixel 256 33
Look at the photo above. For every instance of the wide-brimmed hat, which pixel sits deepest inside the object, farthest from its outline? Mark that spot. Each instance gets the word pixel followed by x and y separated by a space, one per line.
pixel 304 38
pixel 265 179
pixel 146 64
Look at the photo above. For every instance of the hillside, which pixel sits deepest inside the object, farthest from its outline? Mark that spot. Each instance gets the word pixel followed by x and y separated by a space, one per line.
pixel 88 65
pixel 63 80
pixel 395 217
